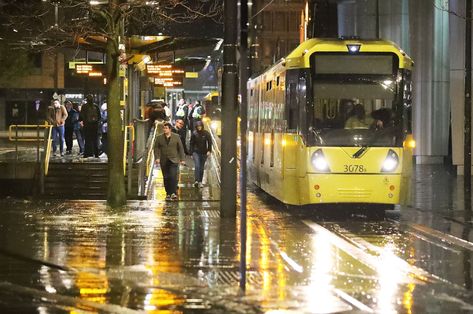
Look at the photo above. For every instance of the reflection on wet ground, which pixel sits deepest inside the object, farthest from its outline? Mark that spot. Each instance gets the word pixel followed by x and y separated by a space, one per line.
pixel 181 257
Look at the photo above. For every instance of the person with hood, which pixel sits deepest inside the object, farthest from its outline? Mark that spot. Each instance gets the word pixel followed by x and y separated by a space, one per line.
pixel 90 118
pixel 201 148
pixel 57 115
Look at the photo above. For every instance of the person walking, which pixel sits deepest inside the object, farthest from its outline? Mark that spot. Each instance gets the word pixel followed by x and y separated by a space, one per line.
pixel 69 127
pixel 169 153
pixel 90 118
pixel 196 114
pixel 57 115
pixel 182 111
pixel 104 128
pixel 77 127
pixel 181 130
pixel 201 148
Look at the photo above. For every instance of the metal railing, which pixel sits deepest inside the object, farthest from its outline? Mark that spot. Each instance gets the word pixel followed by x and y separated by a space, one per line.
pixel 216 154
pixel 47 150
pixel 128 137
pixel 33 133
pixel 150 151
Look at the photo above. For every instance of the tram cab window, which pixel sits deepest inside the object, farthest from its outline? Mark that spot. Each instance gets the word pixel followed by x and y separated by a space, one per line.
pixel 355 115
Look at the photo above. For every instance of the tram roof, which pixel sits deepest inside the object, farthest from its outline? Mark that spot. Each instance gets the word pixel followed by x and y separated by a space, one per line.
pixel 299 57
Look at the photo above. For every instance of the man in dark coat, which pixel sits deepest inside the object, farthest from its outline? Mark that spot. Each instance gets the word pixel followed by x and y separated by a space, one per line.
pixel 169 153
pixel 181 130
pixel 90 118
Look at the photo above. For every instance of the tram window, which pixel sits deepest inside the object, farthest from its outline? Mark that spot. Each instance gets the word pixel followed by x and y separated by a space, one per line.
pixel 356 114
pixel 292 112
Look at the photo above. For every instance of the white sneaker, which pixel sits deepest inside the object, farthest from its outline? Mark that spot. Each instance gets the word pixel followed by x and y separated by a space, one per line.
pixel 201 185
pixel 196 183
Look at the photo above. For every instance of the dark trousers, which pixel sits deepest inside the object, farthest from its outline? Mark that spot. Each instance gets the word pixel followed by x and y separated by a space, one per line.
pixel 104 147
pixel 69 130
pixel 80 140
pixel 169 170
pixel 199 164
pixel 91 140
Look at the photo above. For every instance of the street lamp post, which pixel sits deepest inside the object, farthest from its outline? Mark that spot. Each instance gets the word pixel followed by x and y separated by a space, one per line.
pixel 229 112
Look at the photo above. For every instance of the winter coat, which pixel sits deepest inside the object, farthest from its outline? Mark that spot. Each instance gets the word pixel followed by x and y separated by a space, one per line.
pixel 201 142
pixel 56 115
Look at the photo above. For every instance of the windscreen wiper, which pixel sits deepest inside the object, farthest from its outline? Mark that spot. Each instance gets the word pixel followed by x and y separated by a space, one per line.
pixel 360 152
pixel 363 148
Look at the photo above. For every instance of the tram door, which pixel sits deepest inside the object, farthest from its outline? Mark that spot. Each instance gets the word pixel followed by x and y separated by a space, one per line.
pixel 16 112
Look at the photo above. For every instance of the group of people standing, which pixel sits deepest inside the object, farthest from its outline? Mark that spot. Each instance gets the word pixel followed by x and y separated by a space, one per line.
pixel 88 123
pixel 171 146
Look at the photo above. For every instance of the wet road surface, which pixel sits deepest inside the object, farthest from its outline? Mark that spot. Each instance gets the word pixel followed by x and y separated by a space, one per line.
pixel 181 257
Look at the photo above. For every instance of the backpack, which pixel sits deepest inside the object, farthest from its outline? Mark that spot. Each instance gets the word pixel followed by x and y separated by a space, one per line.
pixel 92 115
pixel 181 113
pixel 197 113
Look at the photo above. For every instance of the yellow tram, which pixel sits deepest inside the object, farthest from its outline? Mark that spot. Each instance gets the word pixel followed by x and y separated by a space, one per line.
pixel 213 112
pixel 331 123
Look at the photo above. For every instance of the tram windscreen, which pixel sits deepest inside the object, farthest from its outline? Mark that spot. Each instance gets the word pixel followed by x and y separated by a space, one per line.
pixel 354 64
pixel 355 114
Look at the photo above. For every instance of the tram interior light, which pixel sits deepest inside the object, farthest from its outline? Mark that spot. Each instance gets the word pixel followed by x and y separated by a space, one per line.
pixel 319 162
pixel 353 48
pixel 391 162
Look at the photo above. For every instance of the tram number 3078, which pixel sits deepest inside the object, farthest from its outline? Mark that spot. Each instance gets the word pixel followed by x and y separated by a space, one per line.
pixel 354 169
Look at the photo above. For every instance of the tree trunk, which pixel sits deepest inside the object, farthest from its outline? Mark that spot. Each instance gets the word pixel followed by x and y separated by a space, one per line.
pixel 116 194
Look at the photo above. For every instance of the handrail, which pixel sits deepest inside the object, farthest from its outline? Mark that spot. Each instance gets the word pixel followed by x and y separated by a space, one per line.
pixel 216 154
pixel 13 135
pixel 150 154
pixel 125 144
pixel 47 150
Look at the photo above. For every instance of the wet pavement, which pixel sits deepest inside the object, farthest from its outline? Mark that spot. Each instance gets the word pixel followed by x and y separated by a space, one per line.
pixel 181 257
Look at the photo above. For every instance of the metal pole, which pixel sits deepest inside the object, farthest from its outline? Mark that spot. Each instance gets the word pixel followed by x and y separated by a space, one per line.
pixel 467 130
pixel 37 144
pixel 377 19
pixel 244 73
pixel 229 112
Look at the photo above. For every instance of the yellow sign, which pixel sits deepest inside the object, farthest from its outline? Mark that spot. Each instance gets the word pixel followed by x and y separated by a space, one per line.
pixel 72 64
pixel 192 74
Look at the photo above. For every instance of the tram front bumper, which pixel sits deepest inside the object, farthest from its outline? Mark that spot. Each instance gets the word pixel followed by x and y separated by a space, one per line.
pixel 354 188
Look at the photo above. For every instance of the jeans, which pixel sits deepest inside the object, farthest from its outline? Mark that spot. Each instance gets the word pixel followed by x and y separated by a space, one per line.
pixel 169 170
pixel 199 163
pixel 58 136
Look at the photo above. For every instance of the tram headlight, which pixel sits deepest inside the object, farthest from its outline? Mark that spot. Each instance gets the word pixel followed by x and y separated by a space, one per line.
pixel 391 162
pixel 214 125
pixel 319 162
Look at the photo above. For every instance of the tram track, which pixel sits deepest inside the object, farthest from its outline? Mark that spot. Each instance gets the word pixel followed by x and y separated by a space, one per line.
pixel 342 235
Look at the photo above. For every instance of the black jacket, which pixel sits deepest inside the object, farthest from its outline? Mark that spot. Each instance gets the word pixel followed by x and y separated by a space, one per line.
pixel 201 142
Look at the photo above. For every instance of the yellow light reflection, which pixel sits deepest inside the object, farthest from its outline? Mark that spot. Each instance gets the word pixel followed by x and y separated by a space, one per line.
pixel 318 295
pixel 390 275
